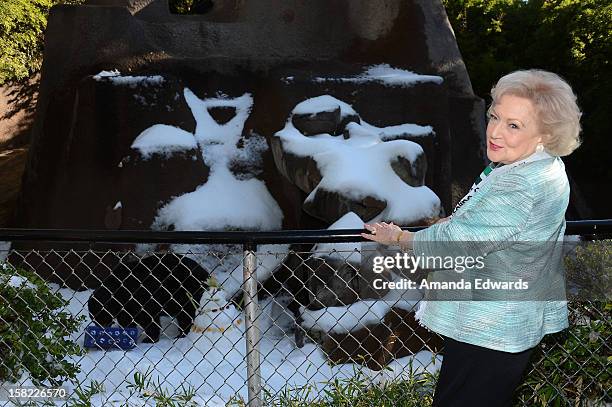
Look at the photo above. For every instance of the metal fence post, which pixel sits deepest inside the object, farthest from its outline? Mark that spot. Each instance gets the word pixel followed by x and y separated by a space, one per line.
pixel 251 311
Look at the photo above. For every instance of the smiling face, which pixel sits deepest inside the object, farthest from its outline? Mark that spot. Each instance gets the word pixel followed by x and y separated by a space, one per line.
pixel 512 132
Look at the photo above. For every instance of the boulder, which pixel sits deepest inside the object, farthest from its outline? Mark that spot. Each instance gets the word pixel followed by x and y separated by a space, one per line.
pixel 158 178
pixel 331 205
pixel 325 122
pixel 397 336
pixel 302 171
pixel 412 173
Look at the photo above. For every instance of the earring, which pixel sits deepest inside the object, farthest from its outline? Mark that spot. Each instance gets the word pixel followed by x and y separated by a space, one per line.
pixel 540 147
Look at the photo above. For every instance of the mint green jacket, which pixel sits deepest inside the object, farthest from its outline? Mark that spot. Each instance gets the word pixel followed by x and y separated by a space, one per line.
pixel 525 204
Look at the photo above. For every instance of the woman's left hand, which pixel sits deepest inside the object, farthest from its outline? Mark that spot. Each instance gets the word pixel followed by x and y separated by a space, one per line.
pixel 382 232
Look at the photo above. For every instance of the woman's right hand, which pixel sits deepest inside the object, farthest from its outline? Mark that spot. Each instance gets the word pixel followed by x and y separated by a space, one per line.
pixel 382 232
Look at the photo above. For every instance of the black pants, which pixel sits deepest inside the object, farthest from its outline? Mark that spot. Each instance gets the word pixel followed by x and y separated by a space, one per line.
pixel 478 377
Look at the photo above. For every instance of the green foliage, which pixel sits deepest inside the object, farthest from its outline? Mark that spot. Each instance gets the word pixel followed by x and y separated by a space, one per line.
pixel 359 391
pixel 152 391
pixel 82 395
pixel 575 366
pixel 590 270
pixel 22 26
pixel 34 330
pixel 570 37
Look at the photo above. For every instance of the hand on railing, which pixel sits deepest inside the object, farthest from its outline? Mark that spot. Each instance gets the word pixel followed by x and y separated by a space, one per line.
pixel 389 234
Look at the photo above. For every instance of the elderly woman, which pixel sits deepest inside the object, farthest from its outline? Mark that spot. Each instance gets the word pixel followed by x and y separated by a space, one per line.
pixel 520 197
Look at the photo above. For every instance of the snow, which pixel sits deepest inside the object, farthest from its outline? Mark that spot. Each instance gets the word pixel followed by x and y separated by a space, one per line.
pixel 346 318
pixel 107 74
pixel 215 313
pixel 16 281
pixel 359 166
pixel 323 103
pixel 250 155
pixel 214 363
pixel 116 78
pixel 163 139
pixel 342 251
pixel 13 280
pixel 401 130
pixel 388 76
pixel 360 314
pixel 224 201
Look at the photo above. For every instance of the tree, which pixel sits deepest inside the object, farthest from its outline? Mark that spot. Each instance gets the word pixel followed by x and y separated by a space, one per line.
pixel 22 25
pixel 570 37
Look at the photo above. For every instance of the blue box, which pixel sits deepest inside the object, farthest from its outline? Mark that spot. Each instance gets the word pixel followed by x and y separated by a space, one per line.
pixel 97 337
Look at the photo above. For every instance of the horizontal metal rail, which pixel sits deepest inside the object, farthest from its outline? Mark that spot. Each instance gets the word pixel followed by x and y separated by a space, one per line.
pixel 601 227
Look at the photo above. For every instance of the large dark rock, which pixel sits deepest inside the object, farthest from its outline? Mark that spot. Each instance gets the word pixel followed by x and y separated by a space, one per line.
pixel 173 175
pixel 331 205
pixel 424 104
pixel 412 173
pixel 83 266
pixel 302 171
pixel 318 123
pixel 397 336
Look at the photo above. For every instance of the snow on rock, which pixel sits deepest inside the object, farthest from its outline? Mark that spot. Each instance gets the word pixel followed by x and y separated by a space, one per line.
pixel 360 314
pixel 388 76
pixel 163 139
pixel 223 202
pixel 342 251
pixel 116 78
pixel 323 103
pixel 227 201
pixel 107 74
pixel 401 130
pixel 359 167
pixel 346 318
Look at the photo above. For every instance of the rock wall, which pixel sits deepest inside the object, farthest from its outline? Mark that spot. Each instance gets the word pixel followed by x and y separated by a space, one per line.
pixel 81 131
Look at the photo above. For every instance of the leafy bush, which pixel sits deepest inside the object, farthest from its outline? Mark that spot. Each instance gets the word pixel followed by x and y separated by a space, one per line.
pixel 22 26
pixel 34 330
pixel 589 271
pixel 358 391
pixel 575 366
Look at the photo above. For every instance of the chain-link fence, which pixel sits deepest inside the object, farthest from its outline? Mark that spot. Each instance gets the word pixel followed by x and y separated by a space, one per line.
pixel 288 318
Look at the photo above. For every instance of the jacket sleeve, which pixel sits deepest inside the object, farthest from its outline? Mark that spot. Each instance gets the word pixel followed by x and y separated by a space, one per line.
pixel 490 224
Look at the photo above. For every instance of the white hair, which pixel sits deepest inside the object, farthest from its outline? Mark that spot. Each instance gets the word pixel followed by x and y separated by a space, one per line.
pixel 555 104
